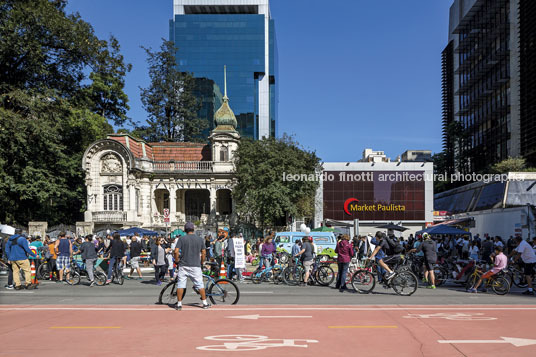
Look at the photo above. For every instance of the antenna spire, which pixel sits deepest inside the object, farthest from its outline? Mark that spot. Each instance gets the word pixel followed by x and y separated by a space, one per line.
pixel 225 81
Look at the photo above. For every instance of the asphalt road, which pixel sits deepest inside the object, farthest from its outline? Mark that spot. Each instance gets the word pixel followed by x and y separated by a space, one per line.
pixel 146 292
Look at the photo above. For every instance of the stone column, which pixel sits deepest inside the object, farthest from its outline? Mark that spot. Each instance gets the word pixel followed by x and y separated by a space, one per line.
pixel 172 204
pixel 153 203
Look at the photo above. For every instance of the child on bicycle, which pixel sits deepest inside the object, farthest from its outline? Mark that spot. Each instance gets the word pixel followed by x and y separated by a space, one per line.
pixel 499 264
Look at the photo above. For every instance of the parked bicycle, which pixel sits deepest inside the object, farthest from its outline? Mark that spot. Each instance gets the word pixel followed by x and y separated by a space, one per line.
pixel 321 274
pixel 219 291
pixel 274 272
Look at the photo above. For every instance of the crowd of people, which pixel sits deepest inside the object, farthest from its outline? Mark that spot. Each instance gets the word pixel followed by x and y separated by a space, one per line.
pixel 19 250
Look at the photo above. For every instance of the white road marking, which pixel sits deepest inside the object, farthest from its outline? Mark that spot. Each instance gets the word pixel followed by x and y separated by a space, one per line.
pixel 458 316
pixel 240 343
pixel 518 342
pixel 256 317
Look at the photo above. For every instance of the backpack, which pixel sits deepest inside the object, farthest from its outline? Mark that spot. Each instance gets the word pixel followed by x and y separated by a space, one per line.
pixel 394 246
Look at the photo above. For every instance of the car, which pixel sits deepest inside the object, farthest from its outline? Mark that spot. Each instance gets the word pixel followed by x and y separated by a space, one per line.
pixel 324 242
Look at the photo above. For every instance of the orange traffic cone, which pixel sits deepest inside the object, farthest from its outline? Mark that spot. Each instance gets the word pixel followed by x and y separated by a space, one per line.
pixel 34 276
pixel 223 272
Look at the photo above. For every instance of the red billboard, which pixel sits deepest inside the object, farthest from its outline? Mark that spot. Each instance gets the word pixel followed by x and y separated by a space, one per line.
pixel 374 195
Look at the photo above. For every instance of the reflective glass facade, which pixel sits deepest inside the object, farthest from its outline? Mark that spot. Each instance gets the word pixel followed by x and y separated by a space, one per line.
pixel 207 42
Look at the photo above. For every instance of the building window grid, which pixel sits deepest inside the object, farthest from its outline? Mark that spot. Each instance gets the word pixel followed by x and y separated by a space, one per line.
pixel 483 106
pixel 113 198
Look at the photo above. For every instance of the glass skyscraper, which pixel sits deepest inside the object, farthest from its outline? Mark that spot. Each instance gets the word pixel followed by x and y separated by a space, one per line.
pixel 239 34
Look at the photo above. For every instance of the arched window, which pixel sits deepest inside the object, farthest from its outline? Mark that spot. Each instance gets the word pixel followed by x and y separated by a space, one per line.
pixel 224 154
pixel 113 198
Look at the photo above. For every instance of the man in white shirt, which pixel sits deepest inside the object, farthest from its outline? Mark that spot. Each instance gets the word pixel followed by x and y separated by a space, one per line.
pixel 528 257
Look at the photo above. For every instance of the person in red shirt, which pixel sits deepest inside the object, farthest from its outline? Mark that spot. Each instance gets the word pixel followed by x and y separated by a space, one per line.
pixel 345 252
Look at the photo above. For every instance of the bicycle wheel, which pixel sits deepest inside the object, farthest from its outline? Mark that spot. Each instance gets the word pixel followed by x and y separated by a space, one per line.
pixel 277 275
pixel 100 278
pixel 119 277
pixel 284 258
pixel 286 275
pixel 472 279
pixel 363 281
pixel 296 275
pixel 404 283
pixel 168 294
pixel 73 279
pixel 257 277
pixel 500 286
pixel 325 275
pixel 441 275
pixel 223 292
pixel 518 278
pixel 43 273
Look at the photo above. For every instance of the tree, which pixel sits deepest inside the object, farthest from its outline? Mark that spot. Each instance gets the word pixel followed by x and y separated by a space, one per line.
pixel 108 81
pixel 169 100
pixel 262 194
pixel 512 164
pixel 51 67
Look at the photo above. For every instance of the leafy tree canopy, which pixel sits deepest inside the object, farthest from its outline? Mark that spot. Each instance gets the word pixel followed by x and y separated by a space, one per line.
pixel 60 88
pixel 169 100
pixel 261 194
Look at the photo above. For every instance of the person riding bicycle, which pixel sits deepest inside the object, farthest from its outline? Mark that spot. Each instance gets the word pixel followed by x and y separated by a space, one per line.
pixel 380 252
pixel 525 252
pixel 429 248
pixel 500 263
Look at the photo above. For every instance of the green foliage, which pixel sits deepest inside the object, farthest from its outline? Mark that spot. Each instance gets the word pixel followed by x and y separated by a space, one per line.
pixel 512 164
pixel 261 195
pixel 58 83
pixel 169 100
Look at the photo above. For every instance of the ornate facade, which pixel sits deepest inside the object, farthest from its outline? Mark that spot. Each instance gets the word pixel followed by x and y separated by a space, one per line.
pixel 134 183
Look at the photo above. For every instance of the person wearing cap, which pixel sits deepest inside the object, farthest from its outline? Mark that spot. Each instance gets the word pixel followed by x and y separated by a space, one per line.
pixel 17 252
pixel 190 252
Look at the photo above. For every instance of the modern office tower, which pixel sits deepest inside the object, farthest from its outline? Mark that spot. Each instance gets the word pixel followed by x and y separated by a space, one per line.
pixel 239 34
pixel 489 83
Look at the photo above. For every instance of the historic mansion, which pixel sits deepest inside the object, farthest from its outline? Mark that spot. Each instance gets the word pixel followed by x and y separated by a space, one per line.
pixel 161 185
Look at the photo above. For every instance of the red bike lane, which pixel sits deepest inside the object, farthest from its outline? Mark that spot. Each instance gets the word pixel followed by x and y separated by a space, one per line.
pixel 248 330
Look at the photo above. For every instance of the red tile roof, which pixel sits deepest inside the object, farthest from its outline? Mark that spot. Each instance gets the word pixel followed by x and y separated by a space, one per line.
pixel 165 151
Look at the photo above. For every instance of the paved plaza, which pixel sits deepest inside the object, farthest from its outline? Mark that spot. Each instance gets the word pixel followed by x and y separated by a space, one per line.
pixel 269 320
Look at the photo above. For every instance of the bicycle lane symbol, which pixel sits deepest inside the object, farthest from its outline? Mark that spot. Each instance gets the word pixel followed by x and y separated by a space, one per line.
pixel 457 316
pixel 237 343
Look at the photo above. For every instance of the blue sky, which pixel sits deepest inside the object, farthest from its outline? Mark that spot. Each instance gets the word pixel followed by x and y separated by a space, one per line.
pixel 352 73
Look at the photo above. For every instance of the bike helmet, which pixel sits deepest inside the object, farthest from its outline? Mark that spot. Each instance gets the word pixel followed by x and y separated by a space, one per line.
pixel 425 236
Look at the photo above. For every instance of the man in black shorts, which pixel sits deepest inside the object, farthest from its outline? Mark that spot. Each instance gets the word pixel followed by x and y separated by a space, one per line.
pixel 429 248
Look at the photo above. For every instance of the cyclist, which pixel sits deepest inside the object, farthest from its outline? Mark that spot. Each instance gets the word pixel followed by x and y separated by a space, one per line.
pixel 190 251
pixel 379 253
pixel 528 257
pixel 500 262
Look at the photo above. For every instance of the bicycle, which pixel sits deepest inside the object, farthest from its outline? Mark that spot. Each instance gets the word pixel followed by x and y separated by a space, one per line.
pixel 219 291
pixel 414 263
pixel 498 283
pixel 78 270
pixel 321 274
pixel 403 282
pixel 274 271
